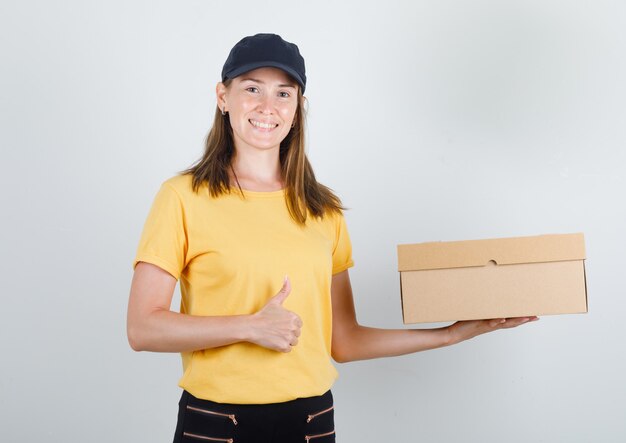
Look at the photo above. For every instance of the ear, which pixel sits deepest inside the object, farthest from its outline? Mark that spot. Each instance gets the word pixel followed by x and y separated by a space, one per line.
pixel 220 94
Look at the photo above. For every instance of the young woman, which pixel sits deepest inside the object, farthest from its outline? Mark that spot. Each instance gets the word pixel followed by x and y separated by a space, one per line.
pixel 262 253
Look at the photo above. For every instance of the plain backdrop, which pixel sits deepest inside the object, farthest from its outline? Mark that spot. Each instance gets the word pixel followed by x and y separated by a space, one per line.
pixel 433 121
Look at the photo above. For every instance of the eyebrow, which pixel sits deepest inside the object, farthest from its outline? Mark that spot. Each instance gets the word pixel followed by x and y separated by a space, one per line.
pixel 282 85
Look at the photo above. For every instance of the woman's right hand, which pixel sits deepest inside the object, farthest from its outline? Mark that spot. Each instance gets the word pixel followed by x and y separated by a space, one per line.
pixel 275 327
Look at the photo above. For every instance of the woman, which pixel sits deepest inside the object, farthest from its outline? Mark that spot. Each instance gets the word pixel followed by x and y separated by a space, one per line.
pixel 262 253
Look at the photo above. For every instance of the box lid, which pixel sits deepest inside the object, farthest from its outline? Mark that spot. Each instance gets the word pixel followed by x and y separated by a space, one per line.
pixel 502 251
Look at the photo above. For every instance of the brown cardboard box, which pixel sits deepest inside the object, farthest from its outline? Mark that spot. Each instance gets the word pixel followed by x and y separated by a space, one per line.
pixel 495 278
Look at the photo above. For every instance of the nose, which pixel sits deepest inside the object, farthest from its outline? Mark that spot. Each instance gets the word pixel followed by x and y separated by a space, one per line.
pixel 266 104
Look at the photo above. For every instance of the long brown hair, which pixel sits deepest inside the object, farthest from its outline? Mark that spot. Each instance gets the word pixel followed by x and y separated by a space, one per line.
pixel 302 191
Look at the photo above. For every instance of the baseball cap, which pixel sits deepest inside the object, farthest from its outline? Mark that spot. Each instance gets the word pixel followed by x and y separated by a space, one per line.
pixel 265 50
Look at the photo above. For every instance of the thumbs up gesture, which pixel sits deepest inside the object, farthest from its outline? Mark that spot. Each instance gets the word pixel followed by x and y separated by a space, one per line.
pixel 274 327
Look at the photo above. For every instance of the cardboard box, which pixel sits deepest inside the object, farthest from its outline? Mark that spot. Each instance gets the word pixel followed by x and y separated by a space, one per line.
pixel 494 278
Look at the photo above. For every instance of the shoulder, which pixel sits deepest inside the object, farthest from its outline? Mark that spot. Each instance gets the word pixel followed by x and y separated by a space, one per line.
pixel 335 216
pixel 177 191
pixel 180 183
pixel 333 220
pixel 182 186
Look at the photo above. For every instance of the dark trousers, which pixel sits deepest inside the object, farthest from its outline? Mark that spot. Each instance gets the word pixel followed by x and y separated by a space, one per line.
pixel 301 420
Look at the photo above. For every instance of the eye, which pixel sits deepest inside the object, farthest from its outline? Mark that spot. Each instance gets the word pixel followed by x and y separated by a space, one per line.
pixel 284 94
pixel 252 87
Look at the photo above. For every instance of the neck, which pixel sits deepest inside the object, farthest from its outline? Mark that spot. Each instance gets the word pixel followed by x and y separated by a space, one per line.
pixel 257 170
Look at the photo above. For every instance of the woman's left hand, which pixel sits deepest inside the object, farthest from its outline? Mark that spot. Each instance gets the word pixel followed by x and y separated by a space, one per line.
pixel 464 330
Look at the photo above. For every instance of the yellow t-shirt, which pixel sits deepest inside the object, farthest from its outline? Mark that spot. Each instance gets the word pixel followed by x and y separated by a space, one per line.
pixel 231 255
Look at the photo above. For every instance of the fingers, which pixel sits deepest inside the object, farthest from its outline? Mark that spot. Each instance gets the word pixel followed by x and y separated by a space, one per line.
pixel 293 334
pixel 496 322
pixel 284 292
pixel 511 322
pixel 517 321
pixel 289 343
pixel 467 329
pixel 277 328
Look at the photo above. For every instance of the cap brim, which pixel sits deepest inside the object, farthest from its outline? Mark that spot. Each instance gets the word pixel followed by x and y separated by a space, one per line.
pixel 250 66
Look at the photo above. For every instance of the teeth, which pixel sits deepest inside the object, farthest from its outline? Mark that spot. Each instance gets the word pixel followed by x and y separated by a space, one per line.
pixel 263 125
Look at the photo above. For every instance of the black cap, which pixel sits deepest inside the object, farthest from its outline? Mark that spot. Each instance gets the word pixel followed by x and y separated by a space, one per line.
pixel 262 50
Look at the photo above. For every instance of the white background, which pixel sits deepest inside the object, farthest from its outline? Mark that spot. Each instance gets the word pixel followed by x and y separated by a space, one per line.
pixel 441 120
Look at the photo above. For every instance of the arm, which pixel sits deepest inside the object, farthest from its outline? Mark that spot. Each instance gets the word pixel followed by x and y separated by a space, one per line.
pixel 351 341
pixel 151 326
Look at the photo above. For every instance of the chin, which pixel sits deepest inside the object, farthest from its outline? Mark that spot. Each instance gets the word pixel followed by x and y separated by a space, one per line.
pixel 264 146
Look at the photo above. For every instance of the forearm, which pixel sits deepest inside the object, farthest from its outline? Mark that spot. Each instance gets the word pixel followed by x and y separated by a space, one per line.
pixel 168 331
pixel 351 341
pixel 361 342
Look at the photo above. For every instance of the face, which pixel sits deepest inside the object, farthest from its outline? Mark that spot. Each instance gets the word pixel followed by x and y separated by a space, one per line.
pixel 261 105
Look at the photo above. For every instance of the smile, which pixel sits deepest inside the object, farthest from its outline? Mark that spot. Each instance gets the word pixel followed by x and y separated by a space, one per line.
pixel 263 125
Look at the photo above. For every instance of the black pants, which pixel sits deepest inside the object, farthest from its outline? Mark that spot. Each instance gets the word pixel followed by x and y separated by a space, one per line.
pixel 302 420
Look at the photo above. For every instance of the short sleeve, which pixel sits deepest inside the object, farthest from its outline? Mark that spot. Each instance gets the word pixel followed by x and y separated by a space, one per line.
pixel 342 251
pixel 164 240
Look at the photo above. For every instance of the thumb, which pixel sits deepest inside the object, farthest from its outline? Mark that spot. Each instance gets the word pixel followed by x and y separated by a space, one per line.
pixel 283 293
